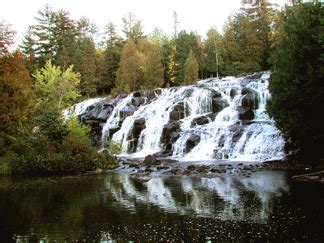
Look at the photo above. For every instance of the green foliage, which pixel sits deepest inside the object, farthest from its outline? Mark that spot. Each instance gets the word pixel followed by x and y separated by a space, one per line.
pixel 150 64
pixel 132 27
pixel 56 87
pixel 247 39
pixel 50 123
pixel 190 69
pixel 40 154
pixel 185 42
pixel 85 64
pixel 214 53
pixel 297 81
pixel 113 147
pixel 129 71
pixel 110 59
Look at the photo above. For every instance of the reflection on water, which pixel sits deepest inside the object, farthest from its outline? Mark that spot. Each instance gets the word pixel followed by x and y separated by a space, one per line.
pixel 265 206
pixel 225 197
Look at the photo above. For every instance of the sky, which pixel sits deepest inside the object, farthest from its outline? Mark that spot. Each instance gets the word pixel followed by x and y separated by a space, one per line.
pixel 198 15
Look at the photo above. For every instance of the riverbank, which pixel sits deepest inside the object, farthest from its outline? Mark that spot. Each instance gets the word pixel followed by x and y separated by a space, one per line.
pixel 144 168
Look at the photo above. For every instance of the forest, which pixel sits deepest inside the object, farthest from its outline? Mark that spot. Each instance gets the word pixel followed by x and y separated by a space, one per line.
pixel 61 61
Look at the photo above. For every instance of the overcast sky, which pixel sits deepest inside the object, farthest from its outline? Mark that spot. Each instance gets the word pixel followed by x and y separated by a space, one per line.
pixel 198 15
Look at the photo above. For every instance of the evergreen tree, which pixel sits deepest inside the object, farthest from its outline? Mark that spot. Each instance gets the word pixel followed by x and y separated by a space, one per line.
pixel 52 37
pixel 184 43
pixel 191 69
pixel 129 73
pixel 247 38
pixel 85 64
pixel 214 53
pixel 297 86
pixel 151 64
pixel 113 48
pixel 132 27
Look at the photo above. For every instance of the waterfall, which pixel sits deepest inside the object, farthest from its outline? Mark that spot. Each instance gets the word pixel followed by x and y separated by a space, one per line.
pixel 223 119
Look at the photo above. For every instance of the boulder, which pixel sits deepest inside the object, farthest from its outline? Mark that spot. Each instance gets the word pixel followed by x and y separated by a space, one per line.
pixel 218 103
pixel 192 141
pixel 178 112
pixel 138 101
pixel 150 160
pixel 233 92
pixel 201 120
pixel 245 113
pixel 170 134
pixel 133 136
pixel 250 98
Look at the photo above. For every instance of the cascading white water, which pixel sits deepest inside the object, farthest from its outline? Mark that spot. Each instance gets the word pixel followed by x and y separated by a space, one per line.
pixel 214 119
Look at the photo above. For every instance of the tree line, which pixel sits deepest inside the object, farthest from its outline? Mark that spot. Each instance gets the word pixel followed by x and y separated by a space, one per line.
pixel 116 64
pixel 60 61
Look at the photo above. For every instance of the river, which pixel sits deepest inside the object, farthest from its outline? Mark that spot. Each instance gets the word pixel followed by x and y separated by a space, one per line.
pixel 115 206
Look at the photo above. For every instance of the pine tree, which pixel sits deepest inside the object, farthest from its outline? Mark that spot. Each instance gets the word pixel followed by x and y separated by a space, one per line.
pixel 191 69
pixel 113 48
pixel 85 64
pixel 151 64
pixel 132 27
pixel 129 73
pixel 214 53
pixel 297 81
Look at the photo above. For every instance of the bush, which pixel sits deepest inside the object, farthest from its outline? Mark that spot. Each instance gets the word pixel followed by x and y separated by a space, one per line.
pixel 36 153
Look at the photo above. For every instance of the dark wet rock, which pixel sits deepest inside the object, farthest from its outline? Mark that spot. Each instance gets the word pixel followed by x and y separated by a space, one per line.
pixel 191 167
pixel 233 92
pixel 150 160
pixel 218 103
pixel 218 170
pixel 131 163
pixel 192 141
pixel 142 177
pixel 170 134
pixel 113 130
pixel 162 154
pixel 163 167
pixel 202 120
pixel 128 111
pixel 188 92
pixel 250 98
pixel 221 141
pixel 133 136
pixel 178 112
pixel 138 101
pixel 137 94
pixel 158 92
pixel 245 113
pixel 221 154
pixel 237 132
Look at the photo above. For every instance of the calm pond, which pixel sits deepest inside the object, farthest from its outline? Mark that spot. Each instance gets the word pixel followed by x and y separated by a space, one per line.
pixel 116 206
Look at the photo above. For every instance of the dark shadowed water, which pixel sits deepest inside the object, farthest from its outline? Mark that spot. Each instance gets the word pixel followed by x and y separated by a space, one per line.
pixel 94 208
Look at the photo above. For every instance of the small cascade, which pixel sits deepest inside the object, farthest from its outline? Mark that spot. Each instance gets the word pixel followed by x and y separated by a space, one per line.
pixel 222 119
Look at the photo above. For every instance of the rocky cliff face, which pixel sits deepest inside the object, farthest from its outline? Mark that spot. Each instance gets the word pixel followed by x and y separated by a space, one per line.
pixel 214 119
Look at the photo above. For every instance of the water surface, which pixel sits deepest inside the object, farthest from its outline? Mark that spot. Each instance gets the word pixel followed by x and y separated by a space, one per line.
pixel 264 206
